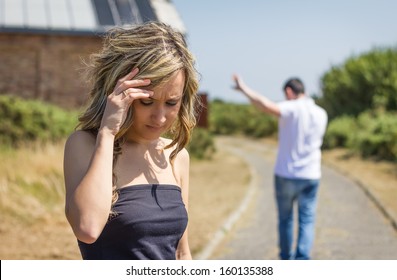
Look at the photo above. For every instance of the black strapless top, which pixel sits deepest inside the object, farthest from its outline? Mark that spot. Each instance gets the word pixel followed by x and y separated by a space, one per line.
pixel 150 221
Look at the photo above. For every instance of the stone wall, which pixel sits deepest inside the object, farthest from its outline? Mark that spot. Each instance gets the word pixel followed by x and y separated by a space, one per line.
pixel 46 67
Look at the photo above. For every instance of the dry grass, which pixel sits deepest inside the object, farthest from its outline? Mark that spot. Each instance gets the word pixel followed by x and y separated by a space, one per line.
pixel 217 188
pixel 33 225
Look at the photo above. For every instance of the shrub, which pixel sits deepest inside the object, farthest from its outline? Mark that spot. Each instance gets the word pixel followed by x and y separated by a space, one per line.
pixel 202 144
pixel 231 119
pixel 377 135
pixel 258 124
pixel 24 121
pixel 340 132
pixel 361 83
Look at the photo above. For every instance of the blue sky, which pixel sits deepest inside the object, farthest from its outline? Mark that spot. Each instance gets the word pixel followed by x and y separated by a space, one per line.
pixel 268 41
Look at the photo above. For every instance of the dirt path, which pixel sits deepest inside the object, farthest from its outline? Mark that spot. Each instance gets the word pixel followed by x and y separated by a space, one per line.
pixel 349 224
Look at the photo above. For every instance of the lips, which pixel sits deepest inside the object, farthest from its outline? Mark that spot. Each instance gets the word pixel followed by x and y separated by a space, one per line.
pixel 154 127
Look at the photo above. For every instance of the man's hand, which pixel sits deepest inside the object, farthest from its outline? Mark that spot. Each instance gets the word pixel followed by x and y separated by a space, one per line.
pixel 238 82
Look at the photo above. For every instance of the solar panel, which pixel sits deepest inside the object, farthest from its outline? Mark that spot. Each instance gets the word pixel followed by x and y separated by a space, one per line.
pixel 104 14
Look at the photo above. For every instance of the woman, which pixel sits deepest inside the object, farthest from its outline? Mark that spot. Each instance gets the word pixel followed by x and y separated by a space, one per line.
pixel 126 186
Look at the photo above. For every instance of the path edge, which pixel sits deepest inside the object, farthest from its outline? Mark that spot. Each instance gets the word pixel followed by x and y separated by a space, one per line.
pixel 219 235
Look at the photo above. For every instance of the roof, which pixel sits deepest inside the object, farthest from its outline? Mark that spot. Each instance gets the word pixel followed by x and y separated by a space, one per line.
pixel 83 16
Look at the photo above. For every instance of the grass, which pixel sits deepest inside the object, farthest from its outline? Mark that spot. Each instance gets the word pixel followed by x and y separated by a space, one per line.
pixel 30 184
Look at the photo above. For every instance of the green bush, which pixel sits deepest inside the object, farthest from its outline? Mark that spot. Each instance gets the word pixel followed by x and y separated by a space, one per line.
pixel 340 132
pixel 24 121
pixel 244 119
pixel 222 118
pixel 370 134
pixel 258 124
pixel 361 83
pixel 202 144
pixel 377 135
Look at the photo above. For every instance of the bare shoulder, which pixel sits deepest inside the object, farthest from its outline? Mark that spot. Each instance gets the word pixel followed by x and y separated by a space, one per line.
pixel 79 147
pixel 166 141
pixel 80 139
pixel 182 167
pixel 183 157
pixel 78 151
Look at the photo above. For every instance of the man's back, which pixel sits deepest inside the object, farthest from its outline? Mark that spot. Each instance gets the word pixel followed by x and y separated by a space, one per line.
pixel 302 126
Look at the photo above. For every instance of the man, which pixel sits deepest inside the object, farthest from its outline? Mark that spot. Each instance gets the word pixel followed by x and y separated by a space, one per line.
pixel 302 125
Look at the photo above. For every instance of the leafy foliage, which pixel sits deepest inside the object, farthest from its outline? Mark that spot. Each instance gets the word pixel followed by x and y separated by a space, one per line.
pixel 232 119
pixel 202 145
pixel 229 119
pixel 24 121
pixel 370 134
pixel 365 82
pixel 377 135
pixel 339 132
pixel 360 97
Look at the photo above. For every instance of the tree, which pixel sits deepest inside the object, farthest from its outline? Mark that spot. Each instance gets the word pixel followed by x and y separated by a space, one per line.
pixel 365 82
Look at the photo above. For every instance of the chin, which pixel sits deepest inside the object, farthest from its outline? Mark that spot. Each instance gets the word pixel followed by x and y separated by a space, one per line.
pixel 153 135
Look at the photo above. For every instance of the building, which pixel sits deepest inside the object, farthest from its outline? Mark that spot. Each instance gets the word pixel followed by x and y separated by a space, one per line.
pixel 43 43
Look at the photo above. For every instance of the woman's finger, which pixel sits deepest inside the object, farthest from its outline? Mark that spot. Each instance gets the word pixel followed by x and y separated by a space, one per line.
pixel 135 83
pixel 131 85
pixel 130 75
pixel 136 93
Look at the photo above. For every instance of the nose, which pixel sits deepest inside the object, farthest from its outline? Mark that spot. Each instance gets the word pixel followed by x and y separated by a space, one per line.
pixel 158 115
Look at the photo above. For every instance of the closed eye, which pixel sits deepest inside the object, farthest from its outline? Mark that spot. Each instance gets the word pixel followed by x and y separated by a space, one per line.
pixel 172 103
pixel 146 102
pixel 150 101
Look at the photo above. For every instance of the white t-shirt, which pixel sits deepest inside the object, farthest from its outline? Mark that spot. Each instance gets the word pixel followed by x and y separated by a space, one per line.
pixel 302 125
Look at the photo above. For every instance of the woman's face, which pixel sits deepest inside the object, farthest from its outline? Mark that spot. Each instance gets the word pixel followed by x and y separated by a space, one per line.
pixel 155 115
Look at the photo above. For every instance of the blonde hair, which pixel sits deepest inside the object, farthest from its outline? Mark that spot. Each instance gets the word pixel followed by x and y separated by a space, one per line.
pixel 158 51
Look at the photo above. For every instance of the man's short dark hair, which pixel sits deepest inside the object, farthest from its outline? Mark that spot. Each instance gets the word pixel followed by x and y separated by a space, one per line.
pixel 296 85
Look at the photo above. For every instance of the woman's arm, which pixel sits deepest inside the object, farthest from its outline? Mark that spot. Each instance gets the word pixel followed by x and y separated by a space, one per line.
pixel 182 162
pixel 88 181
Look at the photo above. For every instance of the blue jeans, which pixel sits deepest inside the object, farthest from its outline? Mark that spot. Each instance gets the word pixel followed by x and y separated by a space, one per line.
pixel 304 192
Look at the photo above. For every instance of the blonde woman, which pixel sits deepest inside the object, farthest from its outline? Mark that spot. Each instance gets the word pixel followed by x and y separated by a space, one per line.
pixel 126 185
